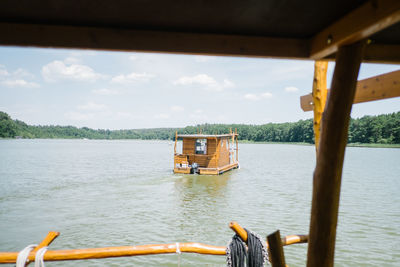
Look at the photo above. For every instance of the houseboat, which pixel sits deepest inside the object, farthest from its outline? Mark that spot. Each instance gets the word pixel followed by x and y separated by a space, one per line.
pixel 206 154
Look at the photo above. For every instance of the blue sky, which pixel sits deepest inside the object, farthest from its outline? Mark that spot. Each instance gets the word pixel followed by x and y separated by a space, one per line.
pixel 120 90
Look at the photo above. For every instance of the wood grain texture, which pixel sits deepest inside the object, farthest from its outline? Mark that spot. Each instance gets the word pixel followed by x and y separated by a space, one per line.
pixel 370 18
pixel 319 93
pixel 275 248
pixel 127 251
pixel 120 39
pixel 371 89
pixel 330 156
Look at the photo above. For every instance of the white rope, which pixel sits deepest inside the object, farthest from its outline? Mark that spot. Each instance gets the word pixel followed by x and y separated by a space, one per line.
pixel 178 251
pixel 23 255
pixel 39 262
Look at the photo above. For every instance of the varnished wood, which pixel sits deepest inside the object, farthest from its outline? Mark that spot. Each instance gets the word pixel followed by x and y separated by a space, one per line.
pixel 374 88
pixel 275 248
pixel 214 162
pixel 294 239
pixel 328 170
pixel 319 93
pixel 127 251
pixel 370 18
pixel 45 242
pixel 238 230
pixel 176 140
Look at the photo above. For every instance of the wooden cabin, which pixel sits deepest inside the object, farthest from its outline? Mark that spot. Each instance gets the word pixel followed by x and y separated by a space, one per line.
pixel 206 154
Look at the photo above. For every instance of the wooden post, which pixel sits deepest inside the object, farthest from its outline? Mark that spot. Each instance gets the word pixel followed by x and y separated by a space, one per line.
pixel 319 93
pixel 330 156
pixel 237 149
pixel 176 140
pixel 275 248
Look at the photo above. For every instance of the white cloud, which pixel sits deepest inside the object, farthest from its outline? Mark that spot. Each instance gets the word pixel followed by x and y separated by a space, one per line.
pixel 78 116
pixel 58 70
pixel 16 78
pixel 19 83
pixel 105 91
pixel 228 84
pixel 266 95
pixel 255 97
pixel 177 108
pixel 3 71
pixel 131 78
pixel 198 111
pixel 161 116
pixel 91 106
pixel 203 79
pixel 291 89
pixel 251 96
pixel 132 57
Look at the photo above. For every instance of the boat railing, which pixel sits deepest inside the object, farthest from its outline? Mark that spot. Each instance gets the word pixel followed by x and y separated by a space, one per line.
pixel 127 251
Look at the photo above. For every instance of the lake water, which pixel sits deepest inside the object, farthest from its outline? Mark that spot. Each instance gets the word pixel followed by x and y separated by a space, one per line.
pixel 117 193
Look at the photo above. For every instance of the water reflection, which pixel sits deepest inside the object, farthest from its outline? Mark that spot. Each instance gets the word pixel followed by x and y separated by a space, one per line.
pixel 190 186
pixel 202 200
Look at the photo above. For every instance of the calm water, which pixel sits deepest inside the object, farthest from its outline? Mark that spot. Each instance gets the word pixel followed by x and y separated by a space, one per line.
pixel 114 193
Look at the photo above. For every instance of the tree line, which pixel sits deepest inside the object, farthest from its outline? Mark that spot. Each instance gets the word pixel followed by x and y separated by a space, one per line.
pixel 381 129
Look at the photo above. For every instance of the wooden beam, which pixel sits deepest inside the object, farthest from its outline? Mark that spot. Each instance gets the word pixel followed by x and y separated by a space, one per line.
pixel 374 88
pixel 319 94
pixel 150 41
pixel 275 249
pixel 370 18
pixel 328 170
pixel 378 53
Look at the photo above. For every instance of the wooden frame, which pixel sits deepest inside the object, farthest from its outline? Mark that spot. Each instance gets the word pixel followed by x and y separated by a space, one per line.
pixel 378 87
pixel 370 18
pixel 363 22
pixel 330 156
pixel 150 41
pixel 319 95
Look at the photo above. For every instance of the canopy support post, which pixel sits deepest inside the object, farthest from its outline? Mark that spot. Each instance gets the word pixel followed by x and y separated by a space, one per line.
pixel 319 94
pixel 330 156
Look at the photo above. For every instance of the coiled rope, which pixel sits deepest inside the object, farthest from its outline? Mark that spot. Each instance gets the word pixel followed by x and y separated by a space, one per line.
pixel 254 255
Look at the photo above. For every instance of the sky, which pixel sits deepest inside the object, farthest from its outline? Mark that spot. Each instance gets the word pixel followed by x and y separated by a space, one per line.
pixel 124 90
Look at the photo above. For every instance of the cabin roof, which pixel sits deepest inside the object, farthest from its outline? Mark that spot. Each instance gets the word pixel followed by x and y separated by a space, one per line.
pixel 310 29
pixel 205 136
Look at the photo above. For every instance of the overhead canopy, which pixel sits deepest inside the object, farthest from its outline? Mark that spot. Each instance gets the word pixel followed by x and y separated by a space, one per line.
pixel 310 29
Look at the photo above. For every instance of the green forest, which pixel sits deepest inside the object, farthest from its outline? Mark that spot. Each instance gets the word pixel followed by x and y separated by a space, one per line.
pixel 381 129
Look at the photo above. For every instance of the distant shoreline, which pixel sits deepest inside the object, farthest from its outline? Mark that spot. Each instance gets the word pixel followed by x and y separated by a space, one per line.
pixel 371 145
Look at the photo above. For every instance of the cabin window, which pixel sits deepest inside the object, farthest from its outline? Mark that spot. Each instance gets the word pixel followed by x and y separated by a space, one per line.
pixel 201 146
